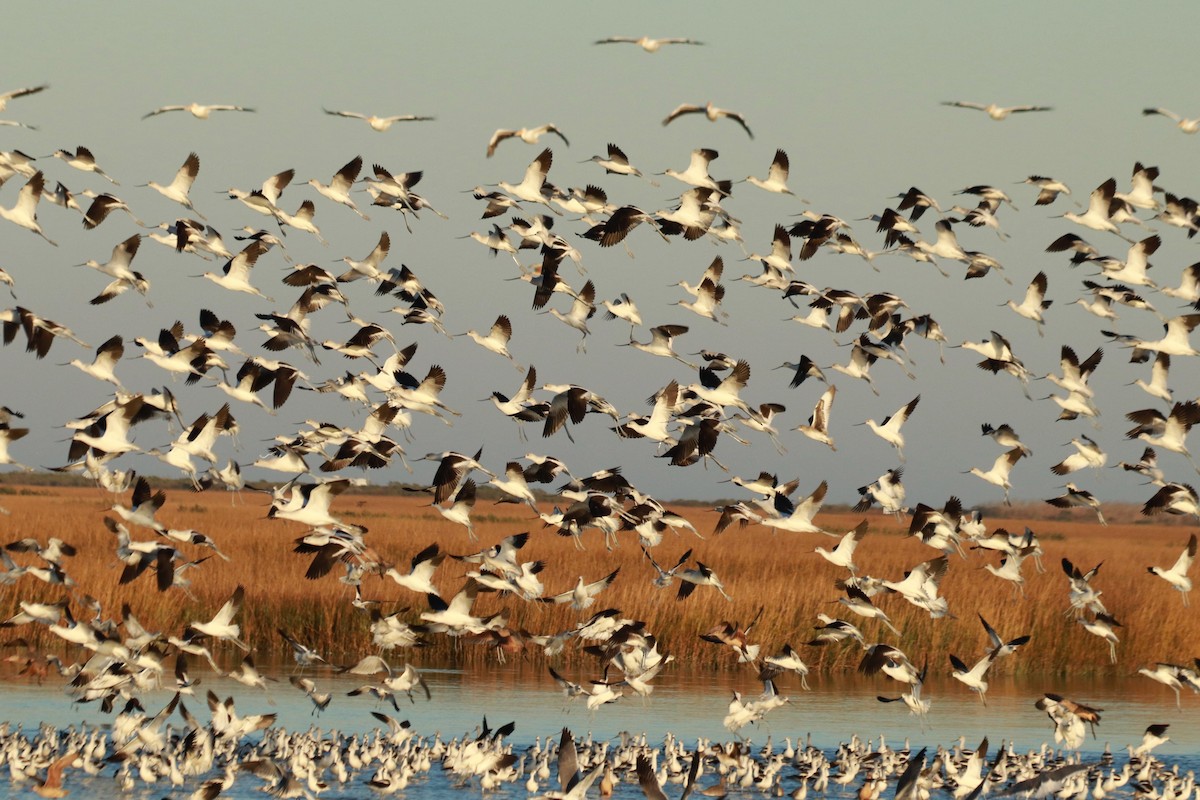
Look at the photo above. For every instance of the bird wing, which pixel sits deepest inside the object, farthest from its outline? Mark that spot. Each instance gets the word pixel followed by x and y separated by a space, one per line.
pixel 163 110
pixel 498 137
pixel 1184 563
pixel 1161 111
pixel 685 108
pixel 648 781
pixel 596 587
pixel 186 174
pixel 739 119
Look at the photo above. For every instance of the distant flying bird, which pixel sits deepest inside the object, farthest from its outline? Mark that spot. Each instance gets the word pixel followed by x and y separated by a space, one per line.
pixel 197 110
pixel 994 111
pixel 526 135
pixel 378 123
pixel 647 43
pixel 1183 123
pixel 712 112
pixel 15 93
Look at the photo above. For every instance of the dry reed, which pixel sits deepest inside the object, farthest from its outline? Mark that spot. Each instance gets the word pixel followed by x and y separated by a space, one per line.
pixel 759 568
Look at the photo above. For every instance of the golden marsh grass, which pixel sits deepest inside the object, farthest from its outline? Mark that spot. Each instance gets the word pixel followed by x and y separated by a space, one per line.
pixel 758 566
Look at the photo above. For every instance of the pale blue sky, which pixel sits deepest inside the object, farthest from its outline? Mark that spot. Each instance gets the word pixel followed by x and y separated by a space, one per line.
pixel 851 91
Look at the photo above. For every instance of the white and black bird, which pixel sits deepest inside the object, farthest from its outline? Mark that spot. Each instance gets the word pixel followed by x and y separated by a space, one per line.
pixel 711 112
pixel 889 429
pixel 1035 302
pixel 526 135
pixel 1000 647
pixel 1177 575
pixel 582 595
pixel 998 475
pixel 181 185
pixel 1076 496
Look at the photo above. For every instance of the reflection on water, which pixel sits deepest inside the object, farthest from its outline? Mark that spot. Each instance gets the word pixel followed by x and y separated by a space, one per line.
pixel 689 704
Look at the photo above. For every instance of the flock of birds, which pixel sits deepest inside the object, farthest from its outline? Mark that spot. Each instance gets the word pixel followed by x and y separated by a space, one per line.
pixel 687 421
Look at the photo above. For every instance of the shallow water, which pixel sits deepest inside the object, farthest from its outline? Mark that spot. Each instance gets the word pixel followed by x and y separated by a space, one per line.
pixel 690 705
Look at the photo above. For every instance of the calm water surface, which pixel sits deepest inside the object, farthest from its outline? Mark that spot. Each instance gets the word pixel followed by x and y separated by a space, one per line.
pixel 687 704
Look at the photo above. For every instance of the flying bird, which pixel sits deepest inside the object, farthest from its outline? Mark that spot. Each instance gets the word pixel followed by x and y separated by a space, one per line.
pixel 1183 123
pixel 378 123
pixel 526 135
pixel 15 93
pixel 1177 575
pixel 197 110
pixel 709 110
pixel 994 111
pixel 650 45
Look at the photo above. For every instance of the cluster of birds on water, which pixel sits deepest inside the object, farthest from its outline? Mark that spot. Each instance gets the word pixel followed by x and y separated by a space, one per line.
pixel 395 758
pixel 686 422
